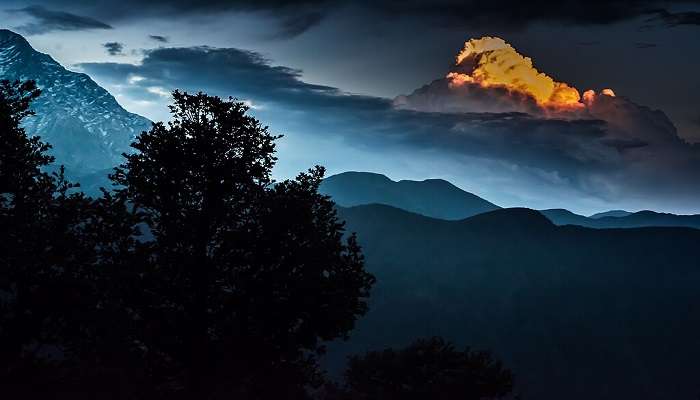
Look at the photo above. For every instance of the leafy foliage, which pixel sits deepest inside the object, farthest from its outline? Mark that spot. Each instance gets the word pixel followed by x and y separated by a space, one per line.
pixel 244 278
pixel 47 288
pixel 198 276
pixel 428 369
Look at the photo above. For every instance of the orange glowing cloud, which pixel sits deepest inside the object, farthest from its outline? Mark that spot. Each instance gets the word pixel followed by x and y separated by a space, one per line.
pixel 490 62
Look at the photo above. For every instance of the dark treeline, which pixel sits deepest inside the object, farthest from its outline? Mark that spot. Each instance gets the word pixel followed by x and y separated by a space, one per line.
pixel 195 276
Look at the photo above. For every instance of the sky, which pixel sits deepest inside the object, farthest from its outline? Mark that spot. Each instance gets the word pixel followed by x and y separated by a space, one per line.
pixel 364 85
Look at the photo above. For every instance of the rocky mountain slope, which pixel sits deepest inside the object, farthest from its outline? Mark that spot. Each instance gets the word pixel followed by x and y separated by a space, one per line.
pixel 88 129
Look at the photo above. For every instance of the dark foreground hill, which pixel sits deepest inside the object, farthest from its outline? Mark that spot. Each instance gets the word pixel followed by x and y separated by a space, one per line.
pixel 577 313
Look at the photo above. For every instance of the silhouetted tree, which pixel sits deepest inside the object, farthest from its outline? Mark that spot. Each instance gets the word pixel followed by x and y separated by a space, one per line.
pixel 244 278
pixel 427 369
pixel 231 289
pixel 26 202
pixel 46 295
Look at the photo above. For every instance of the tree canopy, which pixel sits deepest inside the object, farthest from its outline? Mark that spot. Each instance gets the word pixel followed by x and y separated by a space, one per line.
pixel 427 369
pixel 48 284
pixel 198 275
pixel 245 277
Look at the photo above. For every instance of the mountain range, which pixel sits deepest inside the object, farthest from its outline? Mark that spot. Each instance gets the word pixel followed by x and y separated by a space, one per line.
pixel 577 313
pixel 86 126
pixel 437 198
pixel 611 213
pixel 433 197
pixel 631 220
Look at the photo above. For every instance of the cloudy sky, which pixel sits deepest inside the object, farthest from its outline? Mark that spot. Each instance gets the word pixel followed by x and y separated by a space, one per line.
pixel 363 85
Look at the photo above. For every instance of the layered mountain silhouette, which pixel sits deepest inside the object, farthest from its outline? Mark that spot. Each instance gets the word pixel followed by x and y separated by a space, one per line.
pixel 578 313
pixel 561 216
pixel 628 220
pixel 86 126
pixel 438 198
pixel 433 197
pixel 611 213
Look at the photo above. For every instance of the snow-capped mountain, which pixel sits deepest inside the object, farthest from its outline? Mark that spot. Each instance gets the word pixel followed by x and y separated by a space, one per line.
pixel 86 126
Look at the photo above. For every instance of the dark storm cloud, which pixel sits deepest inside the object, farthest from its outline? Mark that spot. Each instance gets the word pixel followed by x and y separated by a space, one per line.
pixel 49 20
pixel 588 156
pixel 673 19
pixel 298 16
pixel 295 25
pixel 295 17
pixel 159 38
pixel 242 73
pixel 514 13
pixel 569 150
pixel 644 45
pixel 114 48
pixel 696 121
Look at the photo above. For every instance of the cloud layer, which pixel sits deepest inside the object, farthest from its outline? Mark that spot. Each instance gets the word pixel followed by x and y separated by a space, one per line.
pixel 296 17
pixel 619 153
pixel 673 19
pixel 46 20
pixel 489 75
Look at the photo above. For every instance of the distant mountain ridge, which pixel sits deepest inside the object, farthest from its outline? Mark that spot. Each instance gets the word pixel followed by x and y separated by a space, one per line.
pixel 611 213
pixel 630 220
pixel 83 122
pixel 561 216
pixel 437 198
